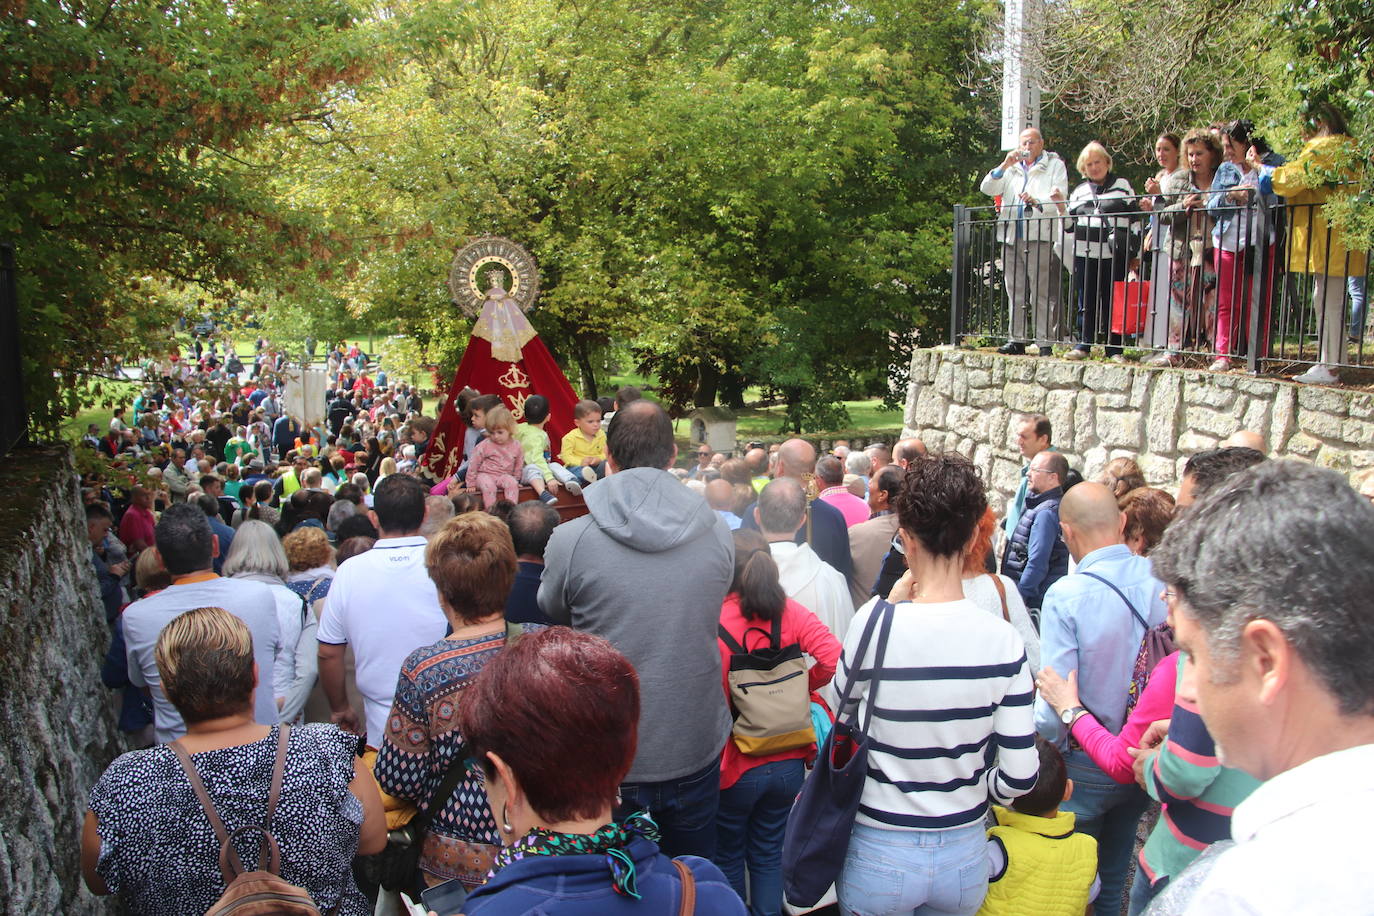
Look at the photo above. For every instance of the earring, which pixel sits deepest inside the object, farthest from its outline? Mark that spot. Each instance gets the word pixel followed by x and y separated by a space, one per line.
pixel 618 802
pixel 505 820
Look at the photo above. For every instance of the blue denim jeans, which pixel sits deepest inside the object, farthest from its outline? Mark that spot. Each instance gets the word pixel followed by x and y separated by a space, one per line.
pixel 1142 892
pixel 684 809
pixel 749 828
pixel 1108 812
pixel 923 872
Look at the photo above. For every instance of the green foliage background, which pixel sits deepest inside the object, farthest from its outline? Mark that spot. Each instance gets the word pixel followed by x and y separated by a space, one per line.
pixel 734 194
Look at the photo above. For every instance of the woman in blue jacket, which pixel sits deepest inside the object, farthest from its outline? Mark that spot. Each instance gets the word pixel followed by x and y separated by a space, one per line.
pixel 552 723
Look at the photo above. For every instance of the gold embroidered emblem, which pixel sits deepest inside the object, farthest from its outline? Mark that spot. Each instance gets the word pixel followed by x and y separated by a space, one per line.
pixel 514 378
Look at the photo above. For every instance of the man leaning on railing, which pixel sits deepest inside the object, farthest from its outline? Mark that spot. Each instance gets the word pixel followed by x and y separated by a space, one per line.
pixel 1031 182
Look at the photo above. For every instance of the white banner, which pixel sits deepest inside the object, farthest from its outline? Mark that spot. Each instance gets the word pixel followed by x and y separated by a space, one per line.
pixel 304 395
pixel 1020 95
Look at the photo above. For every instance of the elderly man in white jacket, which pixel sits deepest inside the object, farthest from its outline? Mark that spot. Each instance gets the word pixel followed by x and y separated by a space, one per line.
pixel 1032 183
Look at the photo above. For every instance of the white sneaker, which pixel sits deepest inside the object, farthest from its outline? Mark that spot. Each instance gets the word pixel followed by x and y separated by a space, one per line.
pixel 588 474
pixel 1221 364
pixel 573 487
pixel 1318 375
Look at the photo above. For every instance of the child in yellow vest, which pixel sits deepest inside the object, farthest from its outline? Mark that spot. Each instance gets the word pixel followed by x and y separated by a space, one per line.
pixel 1037 864
pixel 584 448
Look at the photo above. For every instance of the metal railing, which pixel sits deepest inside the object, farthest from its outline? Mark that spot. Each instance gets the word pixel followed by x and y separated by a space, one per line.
pixel 14 412
pixel 1266 284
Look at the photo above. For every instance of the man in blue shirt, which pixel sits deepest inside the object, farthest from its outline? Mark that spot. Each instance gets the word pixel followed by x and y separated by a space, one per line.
pixel 1036 557
pixel 1089 625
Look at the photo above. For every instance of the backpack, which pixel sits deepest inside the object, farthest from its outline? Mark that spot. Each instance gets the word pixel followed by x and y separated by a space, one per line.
pixel 768 694
pixel 1157 643
pixel 262 892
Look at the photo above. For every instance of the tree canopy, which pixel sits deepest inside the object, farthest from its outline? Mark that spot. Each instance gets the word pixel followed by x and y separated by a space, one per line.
pixel 736 193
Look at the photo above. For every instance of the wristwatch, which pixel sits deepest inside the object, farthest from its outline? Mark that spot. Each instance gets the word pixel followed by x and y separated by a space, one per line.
pixel 1070 715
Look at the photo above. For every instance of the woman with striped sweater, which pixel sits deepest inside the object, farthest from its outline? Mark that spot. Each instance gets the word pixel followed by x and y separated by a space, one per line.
pixel 953 728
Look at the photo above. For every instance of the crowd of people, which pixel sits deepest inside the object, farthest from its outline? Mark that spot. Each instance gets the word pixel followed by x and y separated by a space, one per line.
pixel 1223 229
pixel 571 712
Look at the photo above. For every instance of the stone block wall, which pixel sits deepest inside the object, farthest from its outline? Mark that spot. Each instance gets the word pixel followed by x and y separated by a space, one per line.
pixel 57 719
pixel 972 401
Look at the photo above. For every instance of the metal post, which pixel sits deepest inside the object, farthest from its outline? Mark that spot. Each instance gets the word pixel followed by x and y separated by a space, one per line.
pixel 958 292
pixel 1257 283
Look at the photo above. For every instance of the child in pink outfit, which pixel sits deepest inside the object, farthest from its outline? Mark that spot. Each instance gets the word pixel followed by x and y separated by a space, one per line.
pixel 496 461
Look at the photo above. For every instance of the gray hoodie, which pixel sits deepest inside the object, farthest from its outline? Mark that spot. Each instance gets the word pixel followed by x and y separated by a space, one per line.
pixel 648 570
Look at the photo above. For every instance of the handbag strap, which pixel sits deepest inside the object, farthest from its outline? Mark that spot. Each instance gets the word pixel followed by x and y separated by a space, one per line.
pixel 689 888
pixel 774 634
pixel 230 864
pixel 883 610
pixel 1119 594
pixel 1001 593
pixel 457 768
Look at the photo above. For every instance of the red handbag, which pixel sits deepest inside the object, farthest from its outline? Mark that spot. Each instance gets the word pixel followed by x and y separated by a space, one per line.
pixel 1130 304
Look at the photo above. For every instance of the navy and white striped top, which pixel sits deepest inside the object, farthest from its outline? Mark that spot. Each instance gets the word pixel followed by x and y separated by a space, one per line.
pixel 952 727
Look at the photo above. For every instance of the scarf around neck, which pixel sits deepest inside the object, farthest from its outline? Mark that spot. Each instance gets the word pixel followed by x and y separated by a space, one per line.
pixel 610 841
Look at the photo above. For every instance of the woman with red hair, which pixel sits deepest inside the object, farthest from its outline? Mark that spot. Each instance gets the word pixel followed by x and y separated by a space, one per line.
pixel 995 593
pixel 552 723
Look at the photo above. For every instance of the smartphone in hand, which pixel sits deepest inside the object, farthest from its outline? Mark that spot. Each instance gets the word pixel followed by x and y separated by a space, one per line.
pixel 445 899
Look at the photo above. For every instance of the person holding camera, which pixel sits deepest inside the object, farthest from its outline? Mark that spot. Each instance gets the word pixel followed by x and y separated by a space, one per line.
pixel 1031 183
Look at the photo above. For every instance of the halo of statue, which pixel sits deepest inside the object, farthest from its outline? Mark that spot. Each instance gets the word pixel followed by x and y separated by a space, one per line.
pixel 470 280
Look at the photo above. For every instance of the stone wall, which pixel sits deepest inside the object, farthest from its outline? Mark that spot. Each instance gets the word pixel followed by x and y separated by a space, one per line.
pixel 57 719
pixel 971 401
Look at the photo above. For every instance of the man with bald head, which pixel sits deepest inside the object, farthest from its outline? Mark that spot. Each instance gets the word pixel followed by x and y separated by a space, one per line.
pixel 1036 557
pixel 1092 624
pixel 907 451
pixel 1030 182
pixel 757 459
pixel 824 527
pixel 720 496
pixel 779 514
pixel 1244 438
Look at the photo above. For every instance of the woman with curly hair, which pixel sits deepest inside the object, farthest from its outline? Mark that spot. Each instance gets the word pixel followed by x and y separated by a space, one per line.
pixel 949 697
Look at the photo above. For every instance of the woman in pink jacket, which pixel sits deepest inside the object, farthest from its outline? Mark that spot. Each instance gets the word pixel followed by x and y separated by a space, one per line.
pixel 756 792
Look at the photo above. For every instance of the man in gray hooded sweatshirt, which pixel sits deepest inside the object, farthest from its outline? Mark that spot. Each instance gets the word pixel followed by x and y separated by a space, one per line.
pixel 648 569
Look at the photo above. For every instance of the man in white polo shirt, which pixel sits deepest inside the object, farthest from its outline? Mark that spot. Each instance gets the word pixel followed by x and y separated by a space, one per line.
pixel 384 605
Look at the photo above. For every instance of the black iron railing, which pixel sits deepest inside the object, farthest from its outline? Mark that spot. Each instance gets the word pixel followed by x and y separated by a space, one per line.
pixel 1215 275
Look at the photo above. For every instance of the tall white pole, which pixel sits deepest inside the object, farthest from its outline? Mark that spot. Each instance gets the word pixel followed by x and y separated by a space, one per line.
pixel 1020 94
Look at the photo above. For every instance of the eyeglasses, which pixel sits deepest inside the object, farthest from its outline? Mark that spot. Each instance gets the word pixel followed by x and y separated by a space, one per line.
pixel 1169 595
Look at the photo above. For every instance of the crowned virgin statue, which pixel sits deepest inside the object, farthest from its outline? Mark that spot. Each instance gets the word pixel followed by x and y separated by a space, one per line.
pixel 496 281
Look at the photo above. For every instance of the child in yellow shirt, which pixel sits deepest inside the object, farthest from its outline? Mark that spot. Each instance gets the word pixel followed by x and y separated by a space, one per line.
pixel 585 446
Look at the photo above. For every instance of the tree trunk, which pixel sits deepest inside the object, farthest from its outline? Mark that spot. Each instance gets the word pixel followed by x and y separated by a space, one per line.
pixel 708 380
pixel 583 357
pixel 793 398
pixel 732 390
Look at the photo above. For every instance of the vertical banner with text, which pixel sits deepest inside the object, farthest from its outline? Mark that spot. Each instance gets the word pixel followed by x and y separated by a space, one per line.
pixel 1020 94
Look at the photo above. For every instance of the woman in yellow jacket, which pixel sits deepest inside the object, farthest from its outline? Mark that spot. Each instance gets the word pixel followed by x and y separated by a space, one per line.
pixel 1314 247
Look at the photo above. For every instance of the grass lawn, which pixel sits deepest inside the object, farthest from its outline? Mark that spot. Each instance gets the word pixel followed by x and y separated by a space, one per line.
pixel 75 427
pixel 864 417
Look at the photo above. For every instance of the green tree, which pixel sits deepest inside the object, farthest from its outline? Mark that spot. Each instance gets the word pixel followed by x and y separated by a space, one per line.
pixel 740 193
pixel 123 166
